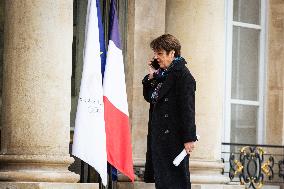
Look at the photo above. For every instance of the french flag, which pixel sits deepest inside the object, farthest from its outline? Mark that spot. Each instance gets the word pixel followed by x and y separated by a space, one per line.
pixel 118 137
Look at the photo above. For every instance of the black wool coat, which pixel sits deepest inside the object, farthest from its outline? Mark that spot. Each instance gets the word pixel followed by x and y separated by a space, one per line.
pixel 171 124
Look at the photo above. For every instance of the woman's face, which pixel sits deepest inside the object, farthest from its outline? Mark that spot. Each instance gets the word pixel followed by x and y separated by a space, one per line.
pixel 163 58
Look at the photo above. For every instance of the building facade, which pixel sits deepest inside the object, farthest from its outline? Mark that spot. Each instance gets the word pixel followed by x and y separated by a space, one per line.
pixel 235 50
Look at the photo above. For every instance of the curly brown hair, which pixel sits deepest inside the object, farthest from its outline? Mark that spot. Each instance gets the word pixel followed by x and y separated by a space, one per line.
pixel 166 42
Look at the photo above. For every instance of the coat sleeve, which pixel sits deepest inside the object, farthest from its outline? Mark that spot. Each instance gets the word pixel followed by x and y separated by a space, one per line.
pixel 186 104
pixel 148 87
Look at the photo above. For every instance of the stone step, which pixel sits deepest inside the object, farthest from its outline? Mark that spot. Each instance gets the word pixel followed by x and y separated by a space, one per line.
pixel 270 187
pixel 142 185
pixel 46 185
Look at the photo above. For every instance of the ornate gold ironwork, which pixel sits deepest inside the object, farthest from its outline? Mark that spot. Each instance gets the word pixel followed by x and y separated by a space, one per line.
pixel 251 167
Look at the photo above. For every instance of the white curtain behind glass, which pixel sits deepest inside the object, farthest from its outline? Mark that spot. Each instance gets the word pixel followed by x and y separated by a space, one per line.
pixel 245 72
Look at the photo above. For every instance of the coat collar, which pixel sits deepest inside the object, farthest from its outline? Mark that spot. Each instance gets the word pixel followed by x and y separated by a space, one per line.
pixel 178 64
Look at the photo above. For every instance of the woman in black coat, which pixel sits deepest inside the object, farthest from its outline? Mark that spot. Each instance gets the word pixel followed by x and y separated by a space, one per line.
pixel 170 90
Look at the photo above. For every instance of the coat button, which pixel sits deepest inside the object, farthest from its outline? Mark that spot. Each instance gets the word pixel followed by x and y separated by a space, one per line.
pixel 166 99
pixel 166 115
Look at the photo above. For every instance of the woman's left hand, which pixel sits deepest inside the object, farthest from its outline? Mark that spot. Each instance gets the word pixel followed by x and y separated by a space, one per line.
pixel 151 70
pixel 189 147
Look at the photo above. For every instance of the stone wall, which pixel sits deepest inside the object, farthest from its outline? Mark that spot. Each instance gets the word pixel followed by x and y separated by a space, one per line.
pixel 1 54
pixel 275 76
pixel 1 40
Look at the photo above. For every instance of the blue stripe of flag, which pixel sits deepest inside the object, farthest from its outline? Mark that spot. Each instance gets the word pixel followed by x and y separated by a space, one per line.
pixel 113 24
pixel 101 38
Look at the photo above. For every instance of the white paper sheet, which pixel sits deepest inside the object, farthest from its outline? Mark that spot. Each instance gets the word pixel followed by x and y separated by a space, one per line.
pixel 182 155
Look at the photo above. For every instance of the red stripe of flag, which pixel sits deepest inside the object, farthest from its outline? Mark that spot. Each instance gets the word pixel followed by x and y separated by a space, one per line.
pixel 118 139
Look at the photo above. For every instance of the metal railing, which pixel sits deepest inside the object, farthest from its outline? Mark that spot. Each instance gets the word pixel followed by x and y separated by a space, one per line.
pixel 254 165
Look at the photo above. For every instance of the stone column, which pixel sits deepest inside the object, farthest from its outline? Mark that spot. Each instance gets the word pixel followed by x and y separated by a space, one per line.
pixel 146 27
pixel 36 91
pixel 200 27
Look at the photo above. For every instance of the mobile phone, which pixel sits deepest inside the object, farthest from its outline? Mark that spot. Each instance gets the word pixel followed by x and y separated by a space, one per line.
pixel 155 64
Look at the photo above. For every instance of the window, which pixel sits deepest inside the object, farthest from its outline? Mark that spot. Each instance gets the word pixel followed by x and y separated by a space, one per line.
pixel 245 72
